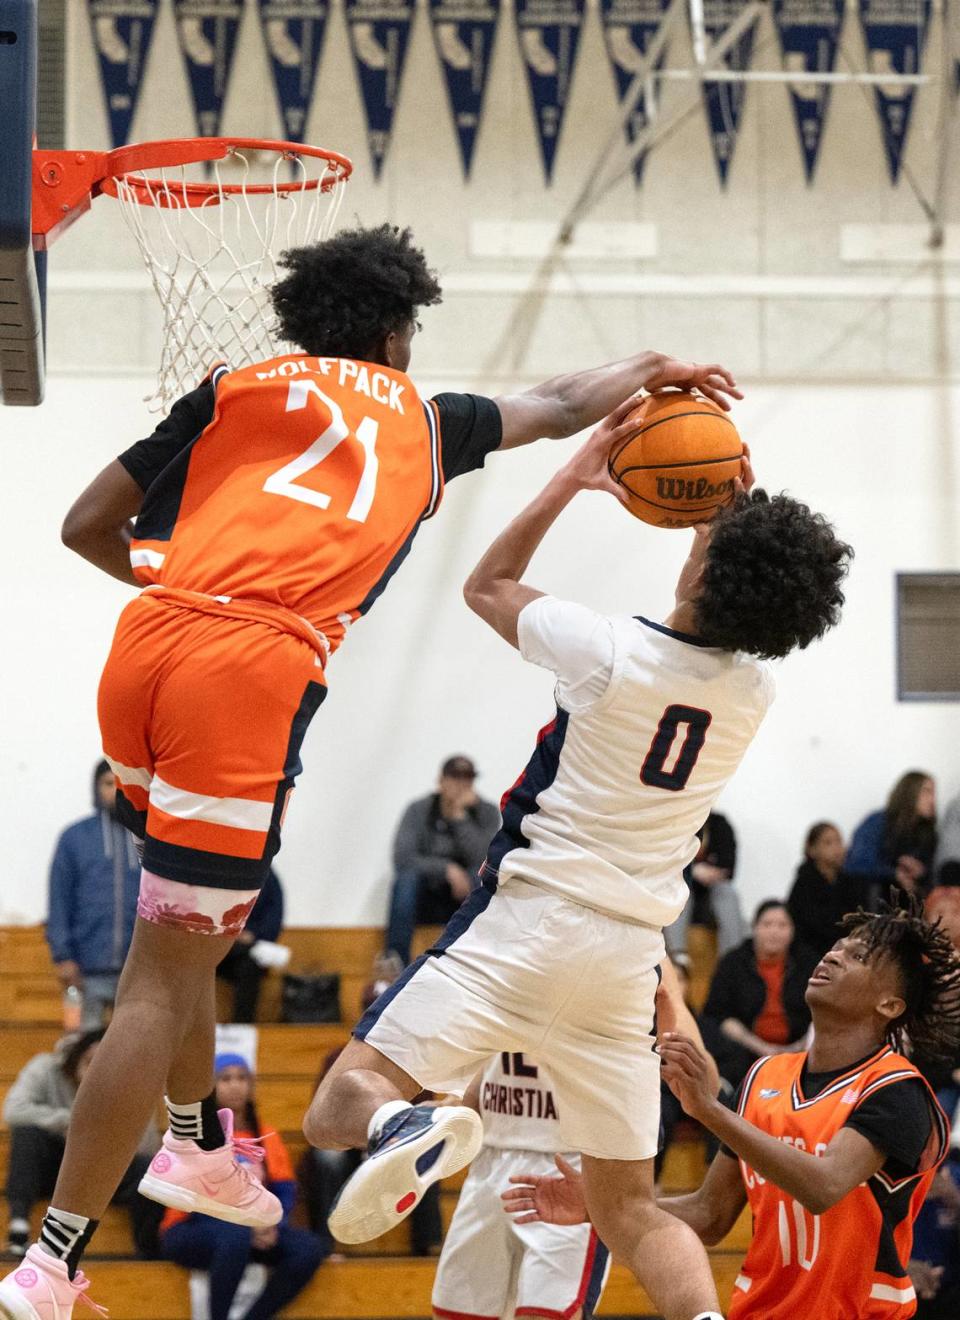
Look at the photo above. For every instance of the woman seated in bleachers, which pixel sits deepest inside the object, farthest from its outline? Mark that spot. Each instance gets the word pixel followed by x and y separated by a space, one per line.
pixel 37 1110
pixel 225 1250
pixel 756 1003
pixel 821 892
pixel 896 846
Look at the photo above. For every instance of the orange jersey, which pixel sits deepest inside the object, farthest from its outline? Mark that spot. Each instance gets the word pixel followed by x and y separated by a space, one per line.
pixel 850 1261
pixel 304 491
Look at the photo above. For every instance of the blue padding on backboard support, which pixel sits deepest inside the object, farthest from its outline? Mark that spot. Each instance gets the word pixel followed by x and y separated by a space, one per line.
pixel 21 315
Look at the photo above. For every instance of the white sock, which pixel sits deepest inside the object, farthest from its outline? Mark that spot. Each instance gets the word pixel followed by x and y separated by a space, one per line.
pixel 382 1114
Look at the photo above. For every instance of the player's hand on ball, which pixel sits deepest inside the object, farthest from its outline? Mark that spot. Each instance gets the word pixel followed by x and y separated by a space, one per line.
pixel 589 466
pixel 685 1072
pixel 747 478
pixel 540 1198
pixel 713 381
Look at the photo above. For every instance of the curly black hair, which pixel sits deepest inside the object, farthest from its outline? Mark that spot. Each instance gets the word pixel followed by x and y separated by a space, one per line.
pixel 342 297
pixel 772 577
pixel 929 969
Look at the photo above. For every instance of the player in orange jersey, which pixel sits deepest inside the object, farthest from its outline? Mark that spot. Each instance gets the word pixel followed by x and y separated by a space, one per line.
pixel 272 507
pixel 833 1149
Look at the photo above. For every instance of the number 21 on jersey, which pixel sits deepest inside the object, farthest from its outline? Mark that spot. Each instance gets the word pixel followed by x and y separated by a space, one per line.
pixel 283 481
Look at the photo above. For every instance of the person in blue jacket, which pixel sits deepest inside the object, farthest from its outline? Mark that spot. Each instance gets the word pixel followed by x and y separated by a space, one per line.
pixel 94 881
pixel 896 846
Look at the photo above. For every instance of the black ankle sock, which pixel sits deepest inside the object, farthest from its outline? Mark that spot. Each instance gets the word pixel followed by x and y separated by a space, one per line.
pixel 197 1122
pixel 213 1137
pixel 65 1236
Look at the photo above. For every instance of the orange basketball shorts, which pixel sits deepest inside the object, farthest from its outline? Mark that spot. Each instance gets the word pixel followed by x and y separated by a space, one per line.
pixel 203 708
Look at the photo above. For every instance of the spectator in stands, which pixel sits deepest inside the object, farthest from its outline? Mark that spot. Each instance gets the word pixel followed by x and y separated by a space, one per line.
pixel 712 895
pixel 896 846
pixel 37 1111
pixel 935 1258
pixel 439 845
pixel 94 882
pixel 224 1250
pixel 243 966
pixel 323 1172
pixel 756 1003
pixel 946 863
pixel 943 905
pixel 821 893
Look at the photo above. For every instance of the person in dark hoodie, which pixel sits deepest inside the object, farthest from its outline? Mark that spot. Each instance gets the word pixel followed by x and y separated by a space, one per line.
pixel 756 1004
pixel 94 882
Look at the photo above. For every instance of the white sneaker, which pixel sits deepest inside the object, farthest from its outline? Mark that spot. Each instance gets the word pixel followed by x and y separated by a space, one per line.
pixel 413 1150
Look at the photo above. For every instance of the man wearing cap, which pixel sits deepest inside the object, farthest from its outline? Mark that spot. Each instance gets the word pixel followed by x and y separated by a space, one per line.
pixel 439 845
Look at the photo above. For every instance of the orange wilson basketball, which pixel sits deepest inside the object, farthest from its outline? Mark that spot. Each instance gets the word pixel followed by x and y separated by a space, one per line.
pixel 680 464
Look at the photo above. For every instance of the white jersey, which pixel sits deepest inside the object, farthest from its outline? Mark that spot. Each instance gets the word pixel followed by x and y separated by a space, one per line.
pixel 518 1106
pixel 651 725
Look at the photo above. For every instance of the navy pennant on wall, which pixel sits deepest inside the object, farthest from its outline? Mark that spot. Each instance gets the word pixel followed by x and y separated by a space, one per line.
pixel 463 32
pixel 293 32
pixel 809 32
pixel 379 36
pixel 122 34
pixel 895 32
pixel 207 31
pixel 724 100
pixel 549 35
pixel 628 28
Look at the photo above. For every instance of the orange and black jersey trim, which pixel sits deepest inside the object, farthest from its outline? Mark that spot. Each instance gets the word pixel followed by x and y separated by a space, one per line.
pixel 299 484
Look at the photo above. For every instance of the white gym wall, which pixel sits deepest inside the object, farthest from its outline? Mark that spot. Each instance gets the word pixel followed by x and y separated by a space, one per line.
pixel 850 363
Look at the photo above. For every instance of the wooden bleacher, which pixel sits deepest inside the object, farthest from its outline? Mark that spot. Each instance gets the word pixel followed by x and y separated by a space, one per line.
pixel 380 1280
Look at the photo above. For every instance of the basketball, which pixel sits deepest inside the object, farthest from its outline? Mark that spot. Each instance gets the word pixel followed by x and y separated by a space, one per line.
pixel 680 464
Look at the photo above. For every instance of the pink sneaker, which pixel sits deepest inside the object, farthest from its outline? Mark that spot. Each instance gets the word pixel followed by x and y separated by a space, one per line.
pixel 40 1289
pixel 212 1182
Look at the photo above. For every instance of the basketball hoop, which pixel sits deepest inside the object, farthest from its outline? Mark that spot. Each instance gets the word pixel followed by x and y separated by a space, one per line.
pixel 210 244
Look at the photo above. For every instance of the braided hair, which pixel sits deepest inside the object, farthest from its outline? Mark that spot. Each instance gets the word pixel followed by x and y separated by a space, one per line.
pixel 929 967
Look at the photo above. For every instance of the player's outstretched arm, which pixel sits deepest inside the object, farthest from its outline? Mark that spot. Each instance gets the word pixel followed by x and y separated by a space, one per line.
pixel 673 1015
pixel 712 1210
pixel 494 590
pixel 97 526
pixel 567 404
pixel 541 1198
pixel 816 1181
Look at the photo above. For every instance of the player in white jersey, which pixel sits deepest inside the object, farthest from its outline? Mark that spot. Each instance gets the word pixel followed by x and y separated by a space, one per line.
pixel 556 955
pixel 490 1266
pixel 494 1265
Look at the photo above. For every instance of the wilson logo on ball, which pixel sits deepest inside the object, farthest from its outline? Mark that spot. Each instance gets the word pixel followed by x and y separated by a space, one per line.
pixel 675 488
pixel 681 463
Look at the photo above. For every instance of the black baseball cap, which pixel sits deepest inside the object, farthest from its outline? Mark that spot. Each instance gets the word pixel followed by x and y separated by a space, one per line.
pixel 458 767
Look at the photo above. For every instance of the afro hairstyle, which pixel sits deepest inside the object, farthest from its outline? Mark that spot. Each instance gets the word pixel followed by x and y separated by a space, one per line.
pixel 342 297
pixel 772 577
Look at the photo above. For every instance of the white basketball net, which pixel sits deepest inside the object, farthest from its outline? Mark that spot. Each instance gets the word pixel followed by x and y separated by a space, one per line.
pixel 212 264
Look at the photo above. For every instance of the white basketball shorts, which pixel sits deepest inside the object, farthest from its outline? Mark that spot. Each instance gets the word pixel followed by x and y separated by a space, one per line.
pixel 527 970
pixel 492 1267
